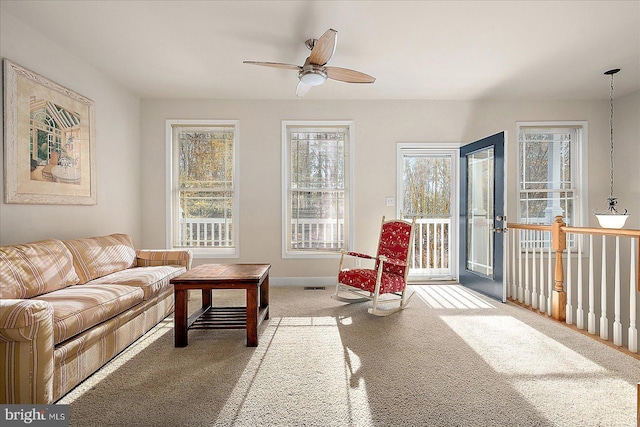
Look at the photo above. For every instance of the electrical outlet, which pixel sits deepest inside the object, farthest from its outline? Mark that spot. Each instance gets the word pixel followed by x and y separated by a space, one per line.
pixel 390 201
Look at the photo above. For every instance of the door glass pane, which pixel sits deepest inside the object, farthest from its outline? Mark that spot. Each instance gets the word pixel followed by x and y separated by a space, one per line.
pixel 480 211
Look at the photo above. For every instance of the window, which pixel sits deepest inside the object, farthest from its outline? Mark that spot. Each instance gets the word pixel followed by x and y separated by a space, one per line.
pixel 203 197
pixel 316 188
pixel 552 178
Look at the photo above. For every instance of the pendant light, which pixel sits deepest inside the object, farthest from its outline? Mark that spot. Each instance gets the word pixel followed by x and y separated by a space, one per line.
pixel 612 218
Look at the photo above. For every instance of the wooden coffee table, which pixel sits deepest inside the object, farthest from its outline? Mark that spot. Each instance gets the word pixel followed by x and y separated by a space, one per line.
pixel 207 277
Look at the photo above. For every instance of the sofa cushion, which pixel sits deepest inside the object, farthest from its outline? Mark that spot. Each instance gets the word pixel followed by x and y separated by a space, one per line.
pixel 151 279
pixel 31 269
pixel 95 257
pixel 78 308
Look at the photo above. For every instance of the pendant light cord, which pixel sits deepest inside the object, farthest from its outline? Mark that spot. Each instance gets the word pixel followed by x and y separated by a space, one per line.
pixel 611 132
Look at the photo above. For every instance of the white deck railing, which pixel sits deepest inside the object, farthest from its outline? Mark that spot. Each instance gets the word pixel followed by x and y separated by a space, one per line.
pixel 580 283
pixel 432 240
pixel 206 232
pixel 431 251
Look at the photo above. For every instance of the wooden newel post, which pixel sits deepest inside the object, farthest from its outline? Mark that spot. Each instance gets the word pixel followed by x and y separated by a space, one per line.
pixel 559 297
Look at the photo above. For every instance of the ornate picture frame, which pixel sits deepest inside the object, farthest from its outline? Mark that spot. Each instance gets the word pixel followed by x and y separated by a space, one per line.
pixel 49 141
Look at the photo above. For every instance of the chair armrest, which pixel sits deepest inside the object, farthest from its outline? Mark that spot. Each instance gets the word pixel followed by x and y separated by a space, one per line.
pixel 26 344
pixel 393 261
pixel 147 257
pixel 357 255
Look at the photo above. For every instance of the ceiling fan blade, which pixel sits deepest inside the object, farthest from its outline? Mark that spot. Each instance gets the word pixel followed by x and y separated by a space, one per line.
pixel 274 65
pixel 347 75
pixel 302 89
pixel 324 48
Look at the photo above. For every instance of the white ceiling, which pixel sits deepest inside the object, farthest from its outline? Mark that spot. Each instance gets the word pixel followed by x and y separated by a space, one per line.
pixel 455 50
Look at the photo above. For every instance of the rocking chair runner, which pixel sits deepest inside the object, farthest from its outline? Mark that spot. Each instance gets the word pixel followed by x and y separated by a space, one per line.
pixel 389 275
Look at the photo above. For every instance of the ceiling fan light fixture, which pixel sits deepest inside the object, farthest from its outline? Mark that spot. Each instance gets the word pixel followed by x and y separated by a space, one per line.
pixel 312 77
pixel 314 72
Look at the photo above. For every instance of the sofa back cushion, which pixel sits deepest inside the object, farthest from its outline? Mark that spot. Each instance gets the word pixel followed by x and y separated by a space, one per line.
pixel 95 257
pixel 32 269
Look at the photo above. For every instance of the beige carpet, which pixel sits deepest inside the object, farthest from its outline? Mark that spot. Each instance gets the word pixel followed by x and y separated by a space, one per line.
pixel 452 358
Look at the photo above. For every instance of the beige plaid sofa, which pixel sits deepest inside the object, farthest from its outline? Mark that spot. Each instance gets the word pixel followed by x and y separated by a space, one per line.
pixel 68 307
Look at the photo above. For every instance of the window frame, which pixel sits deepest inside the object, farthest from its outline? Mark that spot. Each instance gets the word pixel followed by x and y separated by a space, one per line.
pixel 287 251
pixel 172 188
pixel 579 162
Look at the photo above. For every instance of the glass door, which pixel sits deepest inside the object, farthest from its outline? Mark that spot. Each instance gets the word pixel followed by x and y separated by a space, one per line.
pixel 427 192
pixel 482 216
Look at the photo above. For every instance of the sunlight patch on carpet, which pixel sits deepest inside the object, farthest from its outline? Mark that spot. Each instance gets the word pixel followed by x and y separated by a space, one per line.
pixel 601 400
pixel 316 366
pixel 512 347
pixel 449 297
pixel 560 382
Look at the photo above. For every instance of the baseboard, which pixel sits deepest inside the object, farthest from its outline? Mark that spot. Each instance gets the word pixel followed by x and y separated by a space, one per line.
pixel 303 282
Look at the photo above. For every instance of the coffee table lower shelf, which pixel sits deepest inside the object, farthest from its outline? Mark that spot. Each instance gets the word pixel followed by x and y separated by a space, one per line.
pixel 222 318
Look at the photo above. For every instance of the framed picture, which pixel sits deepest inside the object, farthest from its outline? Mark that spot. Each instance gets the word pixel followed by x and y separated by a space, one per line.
pixel 49 141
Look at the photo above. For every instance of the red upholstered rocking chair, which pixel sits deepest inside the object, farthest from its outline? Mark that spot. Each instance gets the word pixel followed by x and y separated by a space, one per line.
pixel 389 275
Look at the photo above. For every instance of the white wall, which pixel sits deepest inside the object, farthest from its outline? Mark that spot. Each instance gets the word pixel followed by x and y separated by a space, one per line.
pixel 117 146
pixel 627 156
pixel 379 125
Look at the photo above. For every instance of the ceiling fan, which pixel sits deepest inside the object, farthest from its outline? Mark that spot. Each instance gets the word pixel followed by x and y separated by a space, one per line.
pixel 314 72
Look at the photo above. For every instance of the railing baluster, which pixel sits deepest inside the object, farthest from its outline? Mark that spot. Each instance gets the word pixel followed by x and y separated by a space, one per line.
pixel 332 237
pixel 527 294
pixel 541 302
pixel 579 310
pixel 520 290
pixel 421 245
pixel 442 256
pixel 604 322
pixel 549 274
pixel 512 240
pixel 429 246
pixel 569 310
pixel 591 320
pixel 633 332
pixel 436 246
pixel 617 324
pixel 534 272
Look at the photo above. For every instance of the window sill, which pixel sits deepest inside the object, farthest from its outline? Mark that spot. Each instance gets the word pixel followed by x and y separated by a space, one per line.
pixel 213 252
pixel 310 255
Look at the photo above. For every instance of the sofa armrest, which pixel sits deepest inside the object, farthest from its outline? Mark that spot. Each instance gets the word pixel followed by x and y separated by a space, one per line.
pixel 146 257
pixel 26 343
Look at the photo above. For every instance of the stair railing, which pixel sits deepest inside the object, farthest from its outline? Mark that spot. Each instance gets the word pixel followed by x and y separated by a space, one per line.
pixel 546 272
